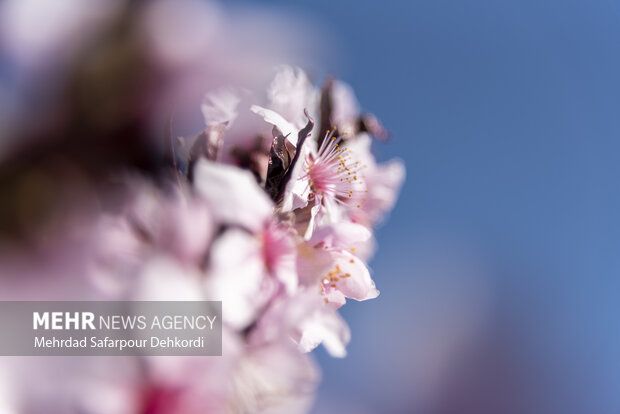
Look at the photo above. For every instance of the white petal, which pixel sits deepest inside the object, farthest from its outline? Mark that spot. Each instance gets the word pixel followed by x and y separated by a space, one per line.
pixel 290 93
pixel 297 189
pixel 345 235
pixel 346 108
pixel 286 128
pixel 314 212
pixel 232 195
pixel 296 195
pixel 237 277
pixel 328 328
pixel 359 285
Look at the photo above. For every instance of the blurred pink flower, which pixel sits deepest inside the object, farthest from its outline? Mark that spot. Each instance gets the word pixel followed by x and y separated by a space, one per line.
pixel 304 318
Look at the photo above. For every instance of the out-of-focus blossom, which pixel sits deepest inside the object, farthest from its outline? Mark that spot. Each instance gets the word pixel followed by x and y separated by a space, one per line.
pixel 232 195
pixel 305 319
pixel 346 110
pixel 238 272
pixel 383 182
pixel 274 379
pixel 220 107
pixel 36 33
pixel 290 93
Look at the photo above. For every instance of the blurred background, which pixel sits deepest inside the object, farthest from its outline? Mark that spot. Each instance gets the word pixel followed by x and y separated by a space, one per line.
pixel 499 268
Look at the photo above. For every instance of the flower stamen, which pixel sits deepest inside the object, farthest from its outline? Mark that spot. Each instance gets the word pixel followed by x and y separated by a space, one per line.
pixel 332 172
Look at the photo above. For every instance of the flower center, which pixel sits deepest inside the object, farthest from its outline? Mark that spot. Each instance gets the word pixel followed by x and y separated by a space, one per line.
pixel 333 172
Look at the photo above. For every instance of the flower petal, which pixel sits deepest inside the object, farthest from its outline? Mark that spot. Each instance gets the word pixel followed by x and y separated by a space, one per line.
pixel 325 326
pixel 286 128
pixel 353 277
pixel 344 236
pixel 237 277
pixel 232 195
pixel 290 93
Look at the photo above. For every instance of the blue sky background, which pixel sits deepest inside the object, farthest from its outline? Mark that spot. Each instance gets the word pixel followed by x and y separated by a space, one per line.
pixel 499 268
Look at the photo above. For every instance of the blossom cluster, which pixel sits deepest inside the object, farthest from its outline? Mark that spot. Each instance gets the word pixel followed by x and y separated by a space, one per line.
pixel 269 209
pixel 276 223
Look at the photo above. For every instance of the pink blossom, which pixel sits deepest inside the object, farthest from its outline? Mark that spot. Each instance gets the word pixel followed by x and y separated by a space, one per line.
pixel 383 182
pixel 269 209
pixel 334 174
pixel 329 263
